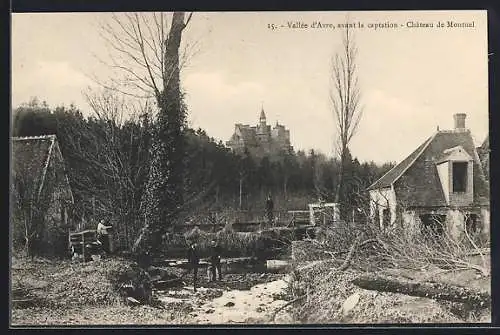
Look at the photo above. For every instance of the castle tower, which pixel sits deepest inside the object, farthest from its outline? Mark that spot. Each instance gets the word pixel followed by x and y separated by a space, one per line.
pixel 262 119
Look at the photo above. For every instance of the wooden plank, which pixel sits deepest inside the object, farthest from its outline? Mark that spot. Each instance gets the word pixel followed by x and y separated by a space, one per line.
pixel 83 232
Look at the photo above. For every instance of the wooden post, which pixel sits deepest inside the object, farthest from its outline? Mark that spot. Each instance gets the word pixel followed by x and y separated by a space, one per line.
pixel 241 191
pixel 93 206
pixel 111 244
pixel 83 246
pixel 311 215
pixel 217 195
pixel 69 240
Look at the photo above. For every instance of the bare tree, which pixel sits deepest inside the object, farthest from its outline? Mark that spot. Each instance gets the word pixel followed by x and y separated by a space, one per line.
pixel 345 99
pixel 137 53
pixel 144 52
pixel 121 150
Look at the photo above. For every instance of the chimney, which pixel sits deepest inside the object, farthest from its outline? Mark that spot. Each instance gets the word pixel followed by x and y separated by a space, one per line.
pixel 459 121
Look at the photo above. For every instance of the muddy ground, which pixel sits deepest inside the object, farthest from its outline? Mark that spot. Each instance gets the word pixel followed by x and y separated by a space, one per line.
pixel 70 293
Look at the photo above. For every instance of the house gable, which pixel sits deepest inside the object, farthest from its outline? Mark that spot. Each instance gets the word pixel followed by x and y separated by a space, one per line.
pixel 425 177
pixel 30 158
pixel 450 177
pixel 421 185
pixel 395 173
pixel 457 153
pixel 33 158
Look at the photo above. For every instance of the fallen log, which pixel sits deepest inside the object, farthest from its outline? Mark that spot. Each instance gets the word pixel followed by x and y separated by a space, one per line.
pixel 432 290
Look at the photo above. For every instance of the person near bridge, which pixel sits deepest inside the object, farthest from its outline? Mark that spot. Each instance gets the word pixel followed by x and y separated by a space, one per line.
pixel 215 260
pixel 269 208
pixel 193 261
pixel 103 235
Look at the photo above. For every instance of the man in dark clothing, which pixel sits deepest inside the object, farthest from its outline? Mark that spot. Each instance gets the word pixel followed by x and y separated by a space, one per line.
pixel 215 258
pixel 269 208
pixel 194 260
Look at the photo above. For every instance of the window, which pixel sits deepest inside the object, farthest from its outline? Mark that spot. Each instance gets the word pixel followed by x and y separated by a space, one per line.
pixel 459 177
pixel 471 223
pixel 386 217
pixel 433 224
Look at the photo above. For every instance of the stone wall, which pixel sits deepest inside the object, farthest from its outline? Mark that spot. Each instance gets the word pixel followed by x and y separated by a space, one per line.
pixel 455 220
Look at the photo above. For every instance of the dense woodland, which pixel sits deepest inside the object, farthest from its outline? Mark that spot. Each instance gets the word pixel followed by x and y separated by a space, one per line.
pixel 107 163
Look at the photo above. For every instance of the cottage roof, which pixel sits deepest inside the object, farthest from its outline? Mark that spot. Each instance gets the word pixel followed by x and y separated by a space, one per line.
pixel 416 180
pixel 31 156
pixel 393 174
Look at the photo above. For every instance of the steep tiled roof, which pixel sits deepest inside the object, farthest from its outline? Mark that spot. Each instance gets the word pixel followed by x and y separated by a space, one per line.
pixel 416 179
pixel 30 157
pixel 394 173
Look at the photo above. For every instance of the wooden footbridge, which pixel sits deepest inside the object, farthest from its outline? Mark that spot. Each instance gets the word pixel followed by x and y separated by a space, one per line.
pixel 247 221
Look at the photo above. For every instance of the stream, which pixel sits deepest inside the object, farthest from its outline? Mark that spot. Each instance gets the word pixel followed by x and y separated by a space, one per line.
pixel 223 306
pixel 249 292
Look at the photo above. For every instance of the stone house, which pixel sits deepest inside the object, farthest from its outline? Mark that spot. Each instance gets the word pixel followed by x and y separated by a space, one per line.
pixel 440 185
pixel 41 197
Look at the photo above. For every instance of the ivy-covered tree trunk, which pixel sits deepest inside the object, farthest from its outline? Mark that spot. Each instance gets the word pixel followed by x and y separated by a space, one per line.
pixel 163 196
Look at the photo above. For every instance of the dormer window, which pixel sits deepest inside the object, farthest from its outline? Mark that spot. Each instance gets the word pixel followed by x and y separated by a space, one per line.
pixel 459 175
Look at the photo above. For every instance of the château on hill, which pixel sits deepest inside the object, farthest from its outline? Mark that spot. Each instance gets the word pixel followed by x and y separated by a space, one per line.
pixel 261 140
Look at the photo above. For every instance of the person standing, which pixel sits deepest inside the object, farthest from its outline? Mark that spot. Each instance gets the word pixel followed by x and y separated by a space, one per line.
pixel 103 235
pixel 215 260
pixel 269 208
pixel 193 260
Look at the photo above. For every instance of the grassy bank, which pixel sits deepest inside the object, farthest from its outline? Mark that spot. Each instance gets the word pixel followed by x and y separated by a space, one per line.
pixel 60 292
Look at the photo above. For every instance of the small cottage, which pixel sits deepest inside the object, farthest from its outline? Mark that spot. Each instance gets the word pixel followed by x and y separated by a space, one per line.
pixel 41 197
pixel 440 185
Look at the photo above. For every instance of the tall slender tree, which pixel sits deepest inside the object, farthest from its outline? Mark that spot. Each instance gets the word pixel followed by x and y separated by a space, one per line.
pixel 345 100
pixel 163 198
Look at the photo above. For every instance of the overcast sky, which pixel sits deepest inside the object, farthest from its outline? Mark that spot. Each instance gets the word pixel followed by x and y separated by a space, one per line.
pixel 412 79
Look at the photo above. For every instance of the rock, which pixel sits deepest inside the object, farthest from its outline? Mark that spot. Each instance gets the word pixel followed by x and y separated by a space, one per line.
pixel 229 304
pixel 259 310
pixel 133 301
pixel 209 311
pixel 350 303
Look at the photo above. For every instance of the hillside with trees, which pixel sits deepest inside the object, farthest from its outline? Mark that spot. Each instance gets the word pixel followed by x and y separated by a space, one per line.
pixel 107 159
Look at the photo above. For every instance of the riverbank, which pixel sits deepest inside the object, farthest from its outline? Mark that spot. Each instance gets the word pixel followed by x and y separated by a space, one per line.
pixel 60 293
pixel 222 306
